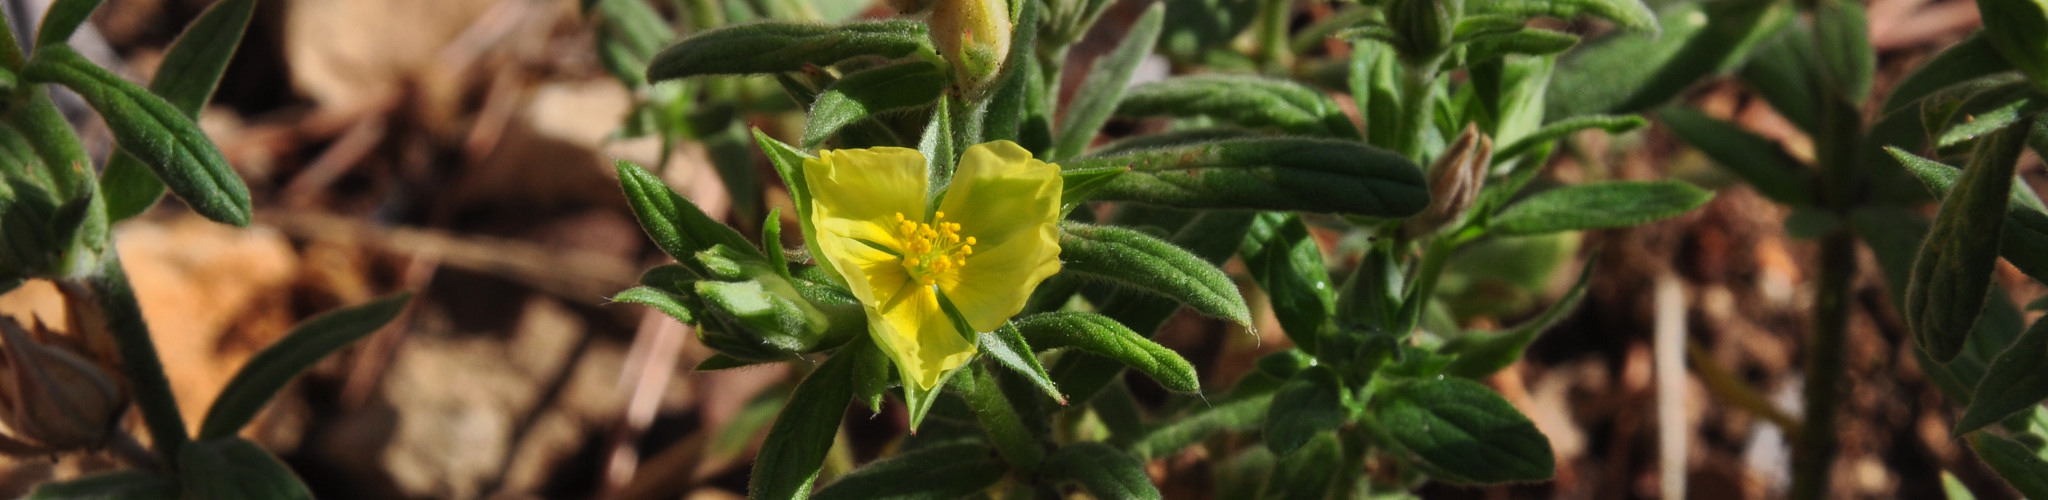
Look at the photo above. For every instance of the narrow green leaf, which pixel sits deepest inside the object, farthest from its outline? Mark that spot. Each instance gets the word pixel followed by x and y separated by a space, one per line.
pixel 1967 60
pixel 1008 348
pixel 2019 465
pixel 1758 161
pixel 776 46
pixel 1785 71
pixel 866 94
pixel 62 20
pixel 1004 422
pixel 1462 432
pixel 312 341
pixel 191 69
pixel 670 303
pixel 1842 34
pixel 154 131
pixel 2026 228
pixel 676 225
pixel 1613 124
pixel 1105 84
pixel 1247 101
pixel 2012 383
pixel 1077 185
pixel 1482 356
pixel 1952 273
pixel 1278 173
pixel 1953 489
pixel 802 432
pixel 1101 470
pixel 1286 262
pixel 1635 71
pixel 1631 14
pixel 1598 206
pixel 1099 335
pixel 1309 473
pixel 1138 260
pixel 720 361
pixel 118 485
pixel 233 468
pixel 629 32
pixel 942 472
pixel 1235 415
pixel 1315 404
pixel 936 144
pixel 1527 41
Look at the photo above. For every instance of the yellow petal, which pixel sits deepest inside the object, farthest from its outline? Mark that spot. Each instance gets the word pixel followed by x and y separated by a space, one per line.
pixel 1010 204
pixel 918 336
pixel 855 196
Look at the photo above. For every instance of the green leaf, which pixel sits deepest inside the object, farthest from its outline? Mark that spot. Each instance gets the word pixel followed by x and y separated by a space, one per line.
pixel 2013 382
pixel 1635 71
pixel 1011 109
pixel 191 69
pixel 1105 84
pixel 1631 14
pixel 777 46
pixel 1953 489
pixel 2018 30
pixel 1243 413
pixel 2020 466
pixel 1983 113
pixel 676 225
pixel 1101 470
pixel 1278 173
pixel 1785 71
pixel 628 34
pixel 1314 402
pixel 1967 60
pixel 1077 185
pixel 942 472
pixel 1758 161
pixel 1598 206
pixel 1138 260
pixel 118 485
pixel 673 304
pixel 2026 228
pixel 62 20
pixel 312 341
pixel 1102 336
pixel 233 468
pixel 1482 356
pixel 1308 473
pixel 1463 432
pixel 941 155
pixel 866 94
pixel 721 361
pixel 1003 421
pixel 1008 348
pixel 1527 41
pixel 1952 273
pixel 802 432
pixel 1841 31
pixel 154 131
pixel 1613 124
pixel 1247 101
pixel 1284 259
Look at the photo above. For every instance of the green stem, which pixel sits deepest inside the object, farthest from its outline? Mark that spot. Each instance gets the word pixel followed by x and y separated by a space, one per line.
pixel 1418 85
pixel 1005 428
pixel 1273 42
pixel 1815 450
pixel 1433 260
pixel 139 362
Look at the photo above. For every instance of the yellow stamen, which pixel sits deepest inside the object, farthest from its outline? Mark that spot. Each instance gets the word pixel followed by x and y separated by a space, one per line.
pixel 933 249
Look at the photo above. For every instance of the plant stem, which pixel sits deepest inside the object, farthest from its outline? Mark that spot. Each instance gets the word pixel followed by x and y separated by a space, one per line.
pixel 1273 43
pixel 1815 451
pixel 1418 84
pixel 1005 428
pixel 115 300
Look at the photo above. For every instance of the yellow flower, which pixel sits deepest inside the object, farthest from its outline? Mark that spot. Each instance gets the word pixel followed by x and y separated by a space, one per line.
pixel 981 248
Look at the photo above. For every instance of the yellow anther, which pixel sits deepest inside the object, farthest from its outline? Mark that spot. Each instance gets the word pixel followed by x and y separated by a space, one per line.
pixel 939 215
pixel 970 241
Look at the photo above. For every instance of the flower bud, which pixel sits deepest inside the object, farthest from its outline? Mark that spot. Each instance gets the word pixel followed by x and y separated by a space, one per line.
pixel 1426 26
pixel 54 398
pixel 760 314
pixel 973 36
pixel 2018 29
pixel 1454 182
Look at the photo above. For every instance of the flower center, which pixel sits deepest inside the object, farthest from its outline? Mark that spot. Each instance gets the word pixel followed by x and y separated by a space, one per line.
pixel 932 249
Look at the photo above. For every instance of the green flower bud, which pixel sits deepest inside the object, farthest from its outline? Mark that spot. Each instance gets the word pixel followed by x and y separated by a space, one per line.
pixel 1425 26
pixel 52 398
pixel 973 36
pixel 2018 29
pixel 757 313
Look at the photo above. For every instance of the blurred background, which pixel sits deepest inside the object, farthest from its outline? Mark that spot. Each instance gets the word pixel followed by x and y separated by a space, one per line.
pixel 461 148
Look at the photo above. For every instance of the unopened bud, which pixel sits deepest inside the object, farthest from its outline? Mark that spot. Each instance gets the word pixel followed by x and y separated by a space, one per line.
pixel 1426 26
pixel 973 36
pixel 758 313
pixel 53 398
pixel 1454 182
